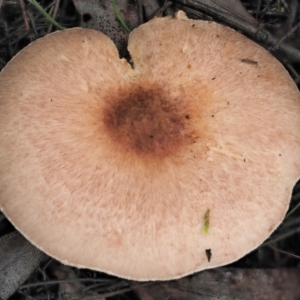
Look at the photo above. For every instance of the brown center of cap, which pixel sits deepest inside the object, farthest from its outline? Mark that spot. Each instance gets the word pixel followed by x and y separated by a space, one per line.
pixel 150 122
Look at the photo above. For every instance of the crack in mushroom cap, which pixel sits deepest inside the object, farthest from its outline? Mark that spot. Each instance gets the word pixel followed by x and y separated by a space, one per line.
pixel 113 167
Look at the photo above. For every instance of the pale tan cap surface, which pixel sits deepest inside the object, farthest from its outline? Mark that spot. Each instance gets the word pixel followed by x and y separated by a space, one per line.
pixel 113 168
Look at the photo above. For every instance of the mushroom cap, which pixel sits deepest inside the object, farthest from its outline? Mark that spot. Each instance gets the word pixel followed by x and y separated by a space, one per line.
pixel 114 167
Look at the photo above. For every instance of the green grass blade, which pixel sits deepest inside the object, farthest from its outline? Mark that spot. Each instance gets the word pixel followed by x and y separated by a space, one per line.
pixel 117 12
pixel 292 211
pixel 44 13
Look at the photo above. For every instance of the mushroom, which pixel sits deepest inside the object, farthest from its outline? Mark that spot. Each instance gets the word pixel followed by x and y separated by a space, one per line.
pixel 182 162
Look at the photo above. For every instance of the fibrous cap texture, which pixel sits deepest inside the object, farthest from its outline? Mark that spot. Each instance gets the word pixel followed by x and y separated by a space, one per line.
pixel 183 161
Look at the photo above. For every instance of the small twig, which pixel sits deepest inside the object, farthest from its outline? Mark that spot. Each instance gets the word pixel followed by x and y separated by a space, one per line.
pixel 291 222
pixel 44 13
pixel 292 17
pixel 264 11
pixel 108 294
pixel 50 11
pixel 275 47
pixel 166 5
pixel 24 14
pixel 7 36
pixel 118 292
pixel 43 269
pixel 54 14
pixel 284 4
pixel 285 252
pixel 258 8
pixel 101 288
pixel 32 22
pixel 281 237
pixel 56 7
pixel 50 282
